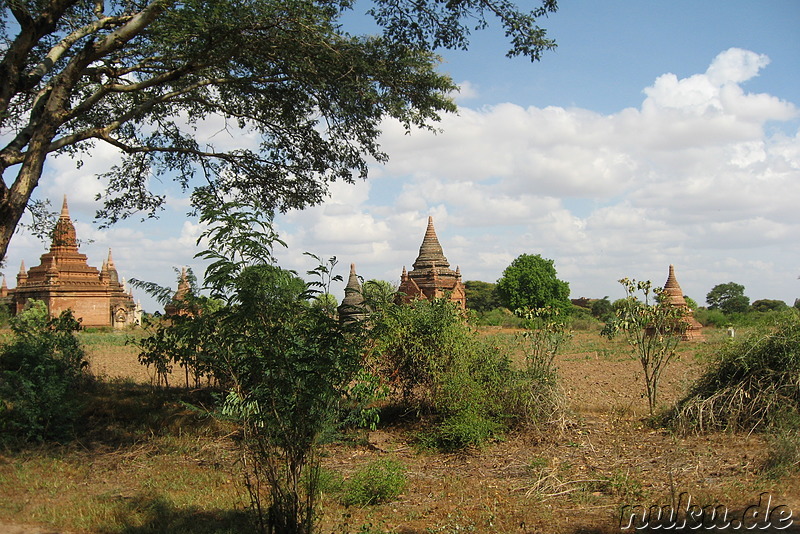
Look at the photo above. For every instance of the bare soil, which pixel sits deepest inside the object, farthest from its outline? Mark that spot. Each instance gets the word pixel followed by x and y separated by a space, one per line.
pixel 569 478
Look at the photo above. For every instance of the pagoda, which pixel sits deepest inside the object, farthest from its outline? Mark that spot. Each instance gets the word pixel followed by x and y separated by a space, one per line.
pixel 431 276
pixel 64 280
pixel 353 307
pixel 179 304
pixel 693 329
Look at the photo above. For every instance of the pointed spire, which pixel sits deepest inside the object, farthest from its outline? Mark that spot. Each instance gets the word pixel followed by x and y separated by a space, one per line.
pixel 64 209
pixel 352 306
pixel 673 289
pixel 352 293
pixel 22 276
pixel 430 252
pixel 110 260
pixel 64 238
pixel 4 288
pixel 671 280
pixel 404 275
pixel 183 285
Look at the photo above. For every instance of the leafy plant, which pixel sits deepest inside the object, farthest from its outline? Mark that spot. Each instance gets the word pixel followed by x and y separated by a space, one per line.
pixel 531 282
pixel 653 329
pixel 287 365
pixel 41 370
pixel 377 482
pixel 439 365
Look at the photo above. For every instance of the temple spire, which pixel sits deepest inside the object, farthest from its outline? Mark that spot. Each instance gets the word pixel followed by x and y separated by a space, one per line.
pixel 64 239
pixel 430 252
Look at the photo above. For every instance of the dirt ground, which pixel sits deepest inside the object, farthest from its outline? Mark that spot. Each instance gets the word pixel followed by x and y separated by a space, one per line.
pixel 573 478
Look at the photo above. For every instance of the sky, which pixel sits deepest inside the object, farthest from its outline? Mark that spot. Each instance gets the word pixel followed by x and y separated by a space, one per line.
pixel 655 134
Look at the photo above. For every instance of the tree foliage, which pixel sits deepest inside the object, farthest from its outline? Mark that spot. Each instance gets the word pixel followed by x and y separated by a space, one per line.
pixel 286 364
pixel 532 282
pixel 765 305
pixel 142 76
pixel 481 296
pixel 728 298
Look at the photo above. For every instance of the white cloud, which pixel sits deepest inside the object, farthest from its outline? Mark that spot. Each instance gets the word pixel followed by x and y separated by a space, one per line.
pixel 693 176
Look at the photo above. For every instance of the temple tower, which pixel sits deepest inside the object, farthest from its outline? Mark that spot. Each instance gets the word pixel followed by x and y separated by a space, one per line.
pixel 64 280
pixel 674 294
pixel 431 276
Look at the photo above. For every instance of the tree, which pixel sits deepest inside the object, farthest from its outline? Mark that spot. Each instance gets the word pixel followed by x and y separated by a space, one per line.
pixel 378 294
pixel 652 327
pixel 141 75
pixel 765 305
pixel 481 296
pixel 531 282
pixel 286 365
pixel 728 298
pixel 603 309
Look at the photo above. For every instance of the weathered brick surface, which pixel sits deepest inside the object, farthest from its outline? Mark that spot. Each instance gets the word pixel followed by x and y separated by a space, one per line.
pixel 431 276
pixel 64 280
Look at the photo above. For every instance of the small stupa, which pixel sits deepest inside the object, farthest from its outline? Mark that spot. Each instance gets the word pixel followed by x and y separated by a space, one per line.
pixel 693 329
pixel 178 305
pixel 352 307
pixel 431 276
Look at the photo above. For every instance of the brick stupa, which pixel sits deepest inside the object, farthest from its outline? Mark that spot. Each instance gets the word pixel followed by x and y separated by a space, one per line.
pixel 693 329
pixel 431 276
pixel 64 280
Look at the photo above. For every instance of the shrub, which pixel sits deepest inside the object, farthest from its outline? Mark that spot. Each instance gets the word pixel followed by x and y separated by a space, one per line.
pixel 40 372
pixel 715 318
pixel 377 482
pixel 439 365
pixel 755 383
pixel 498 317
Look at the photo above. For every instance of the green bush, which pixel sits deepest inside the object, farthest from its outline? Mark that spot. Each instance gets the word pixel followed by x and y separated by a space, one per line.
pixel 377 482
pixel 469 427
pixel 41 369
pixel 753 385
pixel 498 317
pixel 715 318
pixel 439 365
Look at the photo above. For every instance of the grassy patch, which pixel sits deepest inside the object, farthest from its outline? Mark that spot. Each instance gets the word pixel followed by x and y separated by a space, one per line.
pixel 377 482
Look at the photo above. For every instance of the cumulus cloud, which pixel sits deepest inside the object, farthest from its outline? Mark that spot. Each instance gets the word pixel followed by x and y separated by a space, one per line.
pixel 693 176
pixel 688 177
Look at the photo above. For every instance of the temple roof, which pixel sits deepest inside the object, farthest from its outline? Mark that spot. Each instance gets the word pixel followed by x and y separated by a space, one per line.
pixel 430 252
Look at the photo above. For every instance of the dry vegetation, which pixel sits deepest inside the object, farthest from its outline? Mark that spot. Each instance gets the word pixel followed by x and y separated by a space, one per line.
pixel 147 462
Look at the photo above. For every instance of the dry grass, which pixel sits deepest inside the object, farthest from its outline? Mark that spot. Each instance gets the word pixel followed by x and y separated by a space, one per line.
pixel 144 462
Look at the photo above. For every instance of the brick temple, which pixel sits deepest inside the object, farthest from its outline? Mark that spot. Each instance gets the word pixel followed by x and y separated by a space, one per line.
pixel 431 276
pixel 694 330
pixel 64 280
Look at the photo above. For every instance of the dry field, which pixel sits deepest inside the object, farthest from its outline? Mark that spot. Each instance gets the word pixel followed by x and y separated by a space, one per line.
pixel 178 472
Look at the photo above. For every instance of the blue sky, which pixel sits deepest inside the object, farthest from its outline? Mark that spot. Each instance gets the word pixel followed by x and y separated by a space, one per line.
pixel 656 133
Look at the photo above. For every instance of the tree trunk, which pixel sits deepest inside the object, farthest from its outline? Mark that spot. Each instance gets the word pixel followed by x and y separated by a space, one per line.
pixel 14 200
